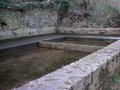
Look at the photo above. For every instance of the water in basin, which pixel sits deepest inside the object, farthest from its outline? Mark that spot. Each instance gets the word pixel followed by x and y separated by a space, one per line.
pixel 20 68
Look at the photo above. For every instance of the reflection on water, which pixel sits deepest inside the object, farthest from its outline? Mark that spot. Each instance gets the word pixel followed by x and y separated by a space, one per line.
pixel 20 68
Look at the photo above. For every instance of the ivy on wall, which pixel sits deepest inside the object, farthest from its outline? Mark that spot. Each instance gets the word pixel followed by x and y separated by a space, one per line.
pixel 21 5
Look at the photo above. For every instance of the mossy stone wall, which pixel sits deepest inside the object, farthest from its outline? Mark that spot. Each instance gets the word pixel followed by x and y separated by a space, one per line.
pixel 26 23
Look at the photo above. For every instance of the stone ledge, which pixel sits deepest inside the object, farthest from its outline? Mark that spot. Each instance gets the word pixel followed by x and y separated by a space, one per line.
pixel 89 73
pixel 90 31
pixel 70 47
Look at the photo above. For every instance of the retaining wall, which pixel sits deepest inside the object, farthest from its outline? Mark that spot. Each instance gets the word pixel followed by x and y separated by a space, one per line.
pixel 36 21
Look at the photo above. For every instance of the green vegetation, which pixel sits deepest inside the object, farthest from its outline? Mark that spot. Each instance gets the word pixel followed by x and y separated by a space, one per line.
pixel 104 15
pixel 115 82
pixel 23 4
pixel 95 13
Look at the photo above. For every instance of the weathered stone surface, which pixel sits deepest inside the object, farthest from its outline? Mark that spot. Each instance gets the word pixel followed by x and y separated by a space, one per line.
pixel 89 73
pixel 26 32
pixel 90 31
pixel 32 22
pixel 70 47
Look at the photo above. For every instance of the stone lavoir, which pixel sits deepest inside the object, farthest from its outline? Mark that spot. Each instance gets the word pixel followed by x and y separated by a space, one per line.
pixel 45 63
pixel 91 72
pixel 36 53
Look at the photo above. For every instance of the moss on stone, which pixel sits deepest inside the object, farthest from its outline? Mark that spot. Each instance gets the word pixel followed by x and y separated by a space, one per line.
pixel 67 83
pixel 115 80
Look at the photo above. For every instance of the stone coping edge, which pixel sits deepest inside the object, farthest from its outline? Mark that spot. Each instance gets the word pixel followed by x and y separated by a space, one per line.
pixel 70 47
pixel 90 31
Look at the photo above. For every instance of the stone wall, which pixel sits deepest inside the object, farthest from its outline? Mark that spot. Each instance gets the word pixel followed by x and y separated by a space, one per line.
pixel 90 31
pixel 26 23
